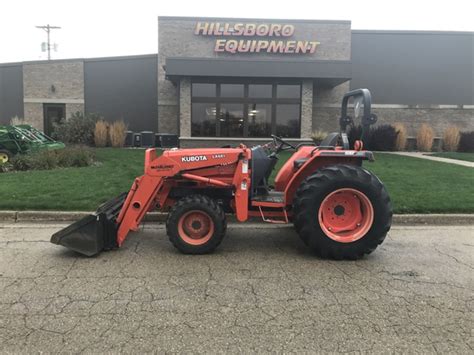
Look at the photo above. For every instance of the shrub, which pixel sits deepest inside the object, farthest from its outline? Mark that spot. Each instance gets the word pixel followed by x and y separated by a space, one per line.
pixel 20 162
pixel 451 138
pixel 318 136
pixel 401 141
pixel 74 157
pixel 466 142
pixel 382 138
pixel 424 138
pixel 101 133
pixel 77 129
pixel 117 132
pixel 5 167
pixel 17 121
pixel 51 159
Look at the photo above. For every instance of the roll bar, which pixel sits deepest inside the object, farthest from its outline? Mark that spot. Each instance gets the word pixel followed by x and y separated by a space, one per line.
pixel 367 118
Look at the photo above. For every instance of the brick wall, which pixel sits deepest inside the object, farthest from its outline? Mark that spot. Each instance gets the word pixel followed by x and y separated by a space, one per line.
pixel 437 116
pixel 59 82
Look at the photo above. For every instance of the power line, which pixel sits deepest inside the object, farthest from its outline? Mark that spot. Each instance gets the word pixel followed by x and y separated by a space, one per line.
pixel 48 29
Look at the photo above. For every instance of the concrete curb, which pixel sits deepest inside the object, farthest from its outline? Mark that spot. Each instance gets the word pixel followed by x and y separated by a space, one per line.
pixel 433 219
pixel 60 216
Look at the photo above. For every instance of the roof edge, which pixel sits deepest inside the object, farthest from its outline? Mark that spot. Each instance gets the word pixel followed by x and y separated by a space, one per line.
pixel 210 18
pixel 11 64
pixel 282 60
pixel 412 32
pixel 94 59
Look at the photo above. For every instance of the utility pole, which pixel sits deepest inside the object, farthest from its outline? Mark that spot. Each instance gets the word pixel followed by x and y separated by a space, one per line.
pixel 48 29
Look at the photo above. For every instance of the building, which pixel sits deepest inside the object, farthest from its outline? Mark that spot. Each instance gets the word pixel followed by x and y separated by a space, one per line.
pixel 228 79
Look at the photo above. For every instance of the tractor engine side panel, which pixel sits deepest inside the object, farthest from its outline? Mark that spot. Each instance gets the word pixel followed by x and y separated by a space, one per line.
pixel 191 159
pixel 172 162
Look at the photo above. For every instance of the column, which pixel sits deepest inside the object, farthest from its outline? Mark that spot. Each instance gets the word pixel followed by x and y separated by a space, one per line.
pixel 306 109
pixel 185 108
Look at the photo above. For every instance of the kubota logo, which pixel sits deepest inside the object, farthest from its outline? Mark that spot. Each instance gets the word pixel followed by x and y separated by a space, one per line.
pixel 193 158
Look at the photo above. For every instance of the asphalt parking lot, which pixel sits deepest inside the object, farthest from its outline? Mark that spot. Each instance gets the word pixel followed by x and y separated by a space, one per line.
pixel 261 291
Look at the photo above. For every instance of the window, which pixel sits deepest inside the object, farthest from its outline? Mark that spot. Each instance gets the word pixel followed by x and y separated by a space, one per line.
pixel 259 120
pixel 289 91
pixel 288 121
pixel 245 110
pixel 232 90
pixel 203 123
pixel 204 90
pixel 260 90
pixel 231 119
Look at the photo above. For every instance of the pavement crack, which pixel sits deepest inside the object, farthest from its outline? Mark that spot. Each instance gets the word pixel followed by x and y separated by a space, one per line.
pixel 453 258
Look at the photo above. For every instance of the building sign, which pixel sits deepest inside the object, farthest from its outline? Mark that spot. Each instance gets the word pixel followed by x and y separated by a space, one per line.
pixel 265 38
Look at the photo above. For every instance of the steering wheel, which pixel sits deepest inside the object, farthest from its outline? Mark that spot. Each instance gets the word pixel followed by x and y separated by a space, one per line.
pixel 281 144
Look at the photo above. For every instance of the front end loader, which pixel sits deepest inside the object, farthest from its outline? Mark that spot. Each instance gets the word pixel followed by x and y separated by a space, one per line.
pixel 339 209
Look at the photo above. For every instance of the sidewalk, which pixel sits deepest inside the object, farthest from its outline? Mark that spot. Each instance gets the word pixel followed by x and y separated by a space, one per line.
pixel 429 157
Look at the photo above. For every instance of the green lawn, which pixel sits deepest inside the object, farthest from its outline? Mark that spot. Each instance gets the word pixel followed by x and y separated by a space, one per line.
pixel 424 186
pixel 415 185
pixel 72 188
pixel 455 155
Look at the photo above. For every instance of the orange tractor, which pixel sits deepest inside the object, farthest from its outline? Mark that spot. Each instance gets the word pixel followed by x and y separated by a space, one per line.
pixel 339 209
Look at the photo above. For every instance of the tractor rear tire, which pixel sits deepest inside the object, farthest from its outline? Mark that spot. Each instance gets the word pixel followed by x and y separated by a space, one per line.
pixel 196 224
pixel 5 156
pixel 342 212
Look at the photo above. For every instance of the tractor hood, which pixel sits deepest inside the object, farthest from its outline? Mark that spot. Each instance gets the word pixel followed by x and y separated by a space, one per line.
pixel 178 160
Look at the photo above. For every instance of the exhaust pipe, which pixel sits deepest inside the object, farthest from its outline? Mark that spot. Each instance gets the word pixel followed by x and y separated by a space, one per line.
pixel 93 233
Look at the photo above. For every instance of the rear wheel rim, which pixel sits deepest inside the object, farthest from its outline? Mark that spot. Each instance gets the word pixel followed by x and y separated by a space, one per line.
pixel 3 158
pixel 195 227
pixel 346 215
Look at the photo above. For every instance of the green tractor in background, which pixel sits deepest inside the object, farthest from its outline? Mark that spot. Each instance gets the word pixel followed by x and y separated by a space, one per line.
pixel 23 139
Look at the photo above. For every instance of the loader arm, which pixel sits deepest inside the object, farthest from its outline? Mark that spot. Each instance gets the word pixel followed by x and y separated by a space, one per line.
pixel 140 200
pixel 143 195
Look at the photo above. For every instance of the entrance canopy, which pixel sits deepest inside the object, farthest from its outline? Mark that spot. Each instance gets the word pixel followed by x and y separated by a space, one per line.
pixel 328 72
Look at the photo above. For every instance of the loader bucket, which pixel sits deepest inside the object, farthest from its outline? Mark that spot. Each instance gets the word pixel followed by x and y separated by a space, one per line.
pixel 93 233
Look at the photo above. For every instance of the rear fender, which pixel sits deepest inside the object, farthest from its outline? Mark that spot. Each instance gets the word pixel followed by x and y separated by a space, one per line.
pixel 286 171
pixel 319 159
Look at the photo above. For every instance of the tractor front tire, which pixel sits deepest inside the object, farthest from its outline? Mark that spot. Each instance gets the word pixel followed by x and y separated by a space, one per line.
pixel 196 225
pixel 342 212
pixel 5 156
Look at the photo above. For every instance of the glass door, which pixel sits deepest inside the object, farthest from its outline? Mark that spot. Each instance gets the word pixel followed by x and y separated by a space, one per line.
pixel 52 114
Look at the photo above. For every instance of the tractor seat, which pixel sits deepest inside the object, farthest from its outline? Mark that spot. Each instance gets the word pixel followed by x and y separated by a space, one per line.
pixel 299 162
pixel 261 166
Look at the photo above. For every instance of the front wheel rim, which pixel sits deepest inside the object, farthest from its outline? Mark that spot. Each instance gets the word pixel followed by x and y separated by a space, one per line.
pixel 346 215
pixel 195 227
pixel 3 158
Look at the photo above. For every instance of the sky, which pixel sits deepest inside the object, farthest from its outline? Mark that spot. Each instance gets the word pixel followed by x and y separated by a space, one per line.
pixel 99 28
